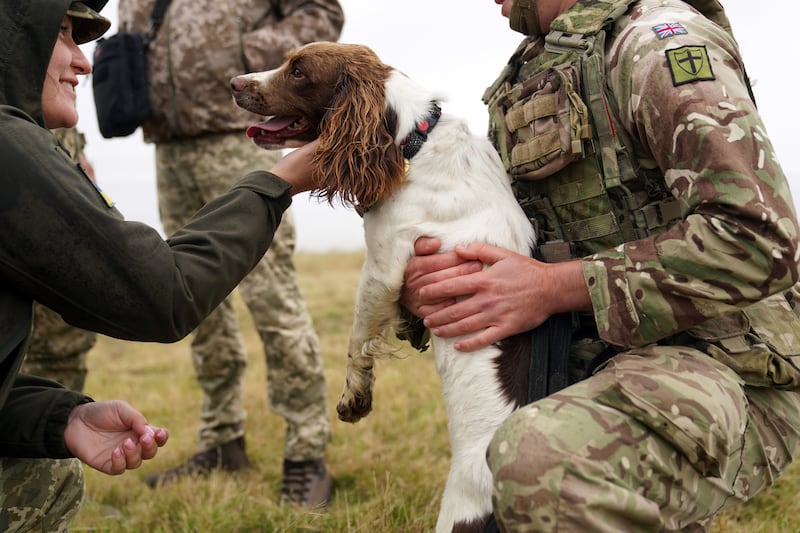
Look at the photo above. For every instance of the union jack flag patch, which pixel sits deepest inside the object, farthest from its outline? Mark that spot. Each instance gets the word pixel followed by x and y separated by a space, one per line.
pixel 668 29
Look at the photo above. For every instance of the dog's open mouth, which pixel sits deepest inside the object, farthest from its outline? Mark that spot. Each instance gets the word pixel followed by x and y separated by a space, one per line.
pixel 280 131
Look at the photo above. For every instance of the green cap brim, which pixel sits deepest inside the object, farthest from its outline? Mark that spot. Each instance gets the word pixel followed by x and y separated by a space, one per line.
pixel 87 24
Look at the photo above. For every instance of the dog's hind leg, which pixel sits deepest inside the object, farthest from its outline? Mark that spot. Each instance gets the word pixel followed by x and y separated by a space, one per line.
pixel 476 406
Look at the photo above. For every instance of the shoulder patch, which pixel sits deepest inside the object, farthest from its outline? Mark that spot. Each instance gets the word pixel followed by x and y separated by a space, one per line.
pixel 688 64
pixel 668 29
pixel 105 197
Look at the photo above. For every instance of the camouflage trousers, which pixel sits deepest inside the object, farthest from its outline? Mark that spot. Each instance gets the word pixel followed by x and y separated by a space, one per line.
pixel 660 439
pixel 39 495
pixel 189 174
pixel 57 350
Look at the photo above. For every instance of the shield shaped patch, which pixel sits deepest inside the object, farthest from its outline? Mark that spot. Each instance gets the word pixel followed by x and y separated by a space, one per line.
pixel 688 64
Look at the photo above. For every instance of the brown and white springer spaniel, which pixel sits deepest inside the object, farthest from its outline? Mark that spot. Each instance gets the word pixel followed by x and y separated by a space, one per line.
pixel 386 149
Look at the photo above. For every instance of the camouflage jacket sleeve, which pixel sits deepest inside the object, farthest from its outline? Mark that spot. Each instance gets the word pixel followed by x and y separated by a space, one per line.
pixel 298 22
pixel 684 101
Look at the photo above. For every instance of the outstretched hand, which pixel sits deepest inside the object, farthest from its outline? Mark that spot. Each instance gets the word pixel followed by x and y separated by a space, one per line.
pixel 296 167
pixel 112 436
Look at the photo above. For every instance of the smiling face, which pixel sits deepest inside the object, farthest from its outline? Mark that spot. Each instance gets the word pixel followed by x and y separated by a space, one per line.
pixel 58 93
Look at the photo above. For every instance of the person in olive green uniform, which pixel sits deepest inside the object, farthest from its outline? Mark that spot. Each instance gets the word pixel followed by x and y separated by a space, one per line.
pixel 56 350
pixel 633 142
pixel 63 244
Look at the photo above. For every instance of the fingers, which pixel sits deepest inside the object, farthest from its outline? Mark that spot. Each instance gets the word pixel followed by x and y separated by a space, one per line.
pixel 426 245
pixel 117 466
pixel 130 455
pixel 485 253
pixel 445 276
pixel 483 339
pixel 133 451
pixel 161 436
pixel 133 454
pixel 451 284
pixel 476 329
pixel 138 423
pixel 149 443
pixel 422 268
pixel 429 267
pixel 124 457
pixel 461 318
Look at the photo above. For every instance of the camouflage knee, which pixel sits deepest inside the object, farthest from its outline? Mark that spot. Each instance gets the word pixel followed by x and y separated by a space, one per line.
pixel 39 494
pixel 646 444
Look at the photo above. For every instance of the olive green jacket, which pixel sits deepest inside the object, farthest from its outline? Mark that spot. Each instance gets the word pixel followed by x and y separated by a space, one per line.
pixel 63 245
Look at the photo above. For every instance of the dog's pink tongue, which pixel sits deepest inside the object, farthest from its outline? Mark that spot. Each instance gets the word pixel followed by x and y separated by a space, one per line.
pixel 273 124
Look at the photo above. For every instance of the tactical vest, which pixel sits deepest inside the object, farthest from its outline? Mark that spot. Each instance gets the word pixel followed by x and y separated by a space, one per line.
pixel 576 173
pixel 550 117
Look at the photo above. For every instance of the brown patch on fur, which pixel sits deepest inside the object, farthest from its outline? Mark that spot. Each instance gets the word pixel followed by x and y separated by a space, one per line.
pixel 473 526
pixel 512 367
pixel 357 160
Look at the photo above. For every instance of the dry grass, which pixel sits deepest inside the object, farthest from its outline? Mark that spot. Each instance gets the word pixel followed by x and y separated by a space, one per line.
pixel 389 468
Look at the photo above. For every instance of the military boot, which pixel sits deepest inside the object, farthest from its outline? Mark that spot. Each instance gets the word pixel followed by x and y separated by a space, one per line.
pixel 230 457
pixel 307 483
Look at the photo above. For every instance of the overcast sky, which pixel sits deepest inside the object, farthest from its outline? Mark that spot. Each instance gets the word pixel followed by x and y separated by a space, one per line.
pixel 457 47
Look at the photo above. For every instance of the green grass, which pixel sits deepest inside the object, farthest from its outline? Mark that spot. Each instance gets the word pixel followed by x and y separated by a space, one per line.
pixel 389 468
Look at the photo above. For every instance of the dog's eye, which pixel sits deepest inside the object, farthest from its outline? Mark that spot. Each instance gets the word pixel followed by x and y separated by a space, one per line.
pixel 297 73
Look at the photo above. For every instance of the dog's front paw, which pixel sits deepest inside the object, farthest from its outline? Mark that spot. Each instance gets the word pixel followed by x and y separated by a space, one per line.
pixel 352 406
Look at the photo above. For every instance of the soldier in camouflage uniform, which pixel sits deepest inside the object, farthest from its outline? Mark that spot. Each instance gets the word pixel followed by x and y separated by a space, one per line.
pixel 633 142
pixel 201 149
pixel 57 350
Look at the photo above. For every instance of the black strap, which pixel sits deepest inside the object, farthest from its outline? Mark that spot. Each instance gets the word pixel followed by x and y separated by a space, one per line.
pixel 548 368
pixel 157 18
pixel 491 526
pixel 548 364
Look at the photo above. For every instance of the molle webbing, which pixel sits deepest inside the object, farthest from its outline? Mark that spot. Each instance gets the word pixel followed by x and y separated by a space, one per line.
pixel 585 188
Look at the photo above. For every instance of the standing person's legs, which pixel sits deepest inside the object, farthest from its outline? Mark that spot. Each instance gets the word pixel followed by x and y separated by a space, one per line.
pixel 191 173
pixel 295 373
pixel 658 440
pixel 294 363
pixel 39 494
pixel 57 350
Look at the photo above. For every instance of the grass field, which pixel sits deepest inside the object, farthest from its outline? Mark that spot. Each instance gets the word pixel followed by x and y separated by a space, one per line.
pixel 389 468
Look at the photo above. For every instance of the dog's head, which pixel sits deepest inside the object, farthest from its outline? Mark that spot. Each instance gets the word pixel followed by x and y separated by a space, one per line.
pixel 336 92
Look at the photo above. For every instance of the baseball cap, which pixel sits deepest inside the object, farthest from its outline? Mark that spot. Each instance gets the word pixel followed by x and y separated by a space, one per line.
pixel 87 23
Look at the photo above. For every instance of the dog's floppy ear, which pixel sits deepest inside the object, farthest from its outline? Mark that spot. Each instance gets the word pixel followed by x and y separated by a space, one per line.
pixel 357 158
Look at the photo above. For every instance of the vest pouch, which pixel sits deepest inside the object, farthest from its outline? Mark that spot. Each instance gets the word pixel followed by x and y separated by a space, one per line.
pixel 759 343
pixel 548 122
